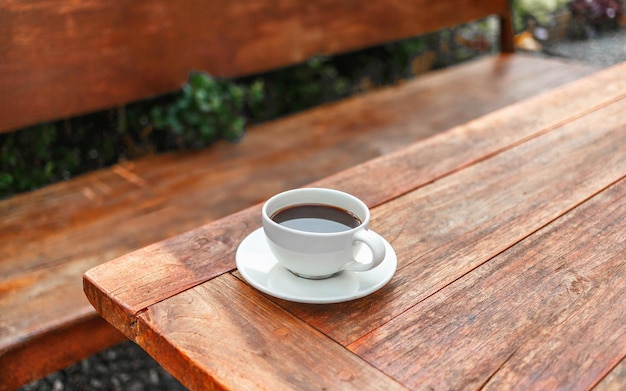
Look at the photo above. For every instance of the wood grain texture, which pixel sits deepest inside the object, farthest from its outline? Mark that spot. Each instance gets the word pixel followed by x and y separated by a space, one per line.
pixel 460 146
pixel 65 58
pixel 444 230
pixel 546 313
pixel 247 343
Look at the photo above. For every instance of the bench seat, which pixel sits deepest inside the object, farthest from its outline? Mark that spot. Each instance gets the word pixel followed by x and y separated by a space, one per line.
pixel 51 236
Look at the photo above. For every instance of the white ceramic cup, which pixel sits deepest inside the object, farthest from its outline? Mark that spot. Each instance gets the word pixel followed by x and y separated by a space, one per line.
pixel 318 255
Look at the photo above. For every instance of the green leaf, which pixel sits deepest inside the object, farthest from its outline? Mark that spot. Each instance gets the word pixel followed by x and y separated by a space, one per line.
pixel 206 131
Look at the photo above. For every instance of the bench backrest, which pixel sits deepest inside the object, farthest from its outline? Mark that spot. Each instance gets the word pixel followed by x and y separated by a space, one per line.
pixel 63 58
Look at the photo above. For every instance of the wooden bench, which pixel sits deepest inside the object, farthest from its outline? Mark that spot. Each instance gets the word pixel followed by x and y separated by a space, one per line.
pixel 65 58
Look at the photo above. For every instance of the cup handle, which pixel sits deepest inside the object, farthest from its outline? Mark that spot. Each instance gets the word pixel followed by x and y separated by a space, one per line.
pixel 376 245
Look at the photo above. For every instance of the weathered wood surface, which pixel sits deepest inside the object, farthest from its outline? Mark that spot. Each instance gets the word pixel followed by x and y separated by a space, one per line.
pixel 514 322
pixel 113 53
pixel 462 236
pixel 403 171
pixel 546 313
pixel 511 267
pixel 53 235
pixel 444 230
pixel 252 343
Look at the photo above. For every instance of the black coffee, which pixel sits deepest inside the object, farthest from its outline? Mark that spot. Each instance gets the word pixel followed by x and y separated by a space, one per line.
pixel 316 218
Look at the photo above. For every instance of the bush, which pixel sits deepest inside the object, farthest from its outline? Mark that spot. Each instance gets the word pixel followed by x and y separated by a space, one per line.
pixel 207 109
pixel 51 152
pixel 539 10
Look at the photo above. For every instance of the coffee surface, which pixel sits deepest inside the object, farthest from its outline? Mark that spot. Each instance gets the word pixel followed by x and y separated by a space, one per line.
pixel 316 218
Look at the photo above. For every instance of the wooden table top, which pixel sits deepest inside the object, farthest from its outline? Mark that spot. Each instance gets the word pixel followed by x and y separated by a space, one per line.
pixel 510 235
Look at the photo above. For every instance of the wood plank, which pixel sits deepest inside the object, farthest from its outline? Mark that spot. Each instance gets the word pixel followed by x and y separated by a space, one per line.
pixel 247 343
pixel 116 53
pixel 213 246
pixel 444 230
pixel 545 314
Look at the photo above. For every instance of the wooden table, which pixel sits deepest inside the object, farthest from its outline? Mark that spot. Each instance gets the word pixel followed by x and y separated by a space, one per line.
pixel 510 235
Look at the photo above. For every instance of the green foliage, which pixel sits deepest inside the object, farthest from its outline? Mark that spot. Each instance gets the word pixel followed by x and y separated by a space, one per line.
pixel 205 110
pixel 296 88
pixel 325 79
pixel 403 52
pixel 540 10
pixel 42 154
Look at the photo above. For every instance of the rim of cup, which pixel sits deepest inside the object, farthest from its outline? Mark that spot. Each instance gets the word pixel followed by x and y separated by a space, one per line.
pixel 268 217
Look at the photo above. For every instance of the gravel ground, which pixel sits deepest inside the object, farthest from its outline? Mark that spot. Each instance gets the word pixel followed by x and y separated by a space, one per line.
pixel 604 50
pixel 127 367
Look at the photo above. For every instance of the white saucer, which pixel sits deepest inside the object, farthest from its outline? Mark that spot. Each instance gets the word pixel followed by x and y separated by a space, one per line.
pixel 260 269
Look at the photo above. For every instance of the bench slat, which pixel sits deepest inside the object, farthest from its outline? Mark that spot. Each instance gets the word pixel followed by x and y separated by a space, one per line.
pixel 241 326
pixel 60 60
